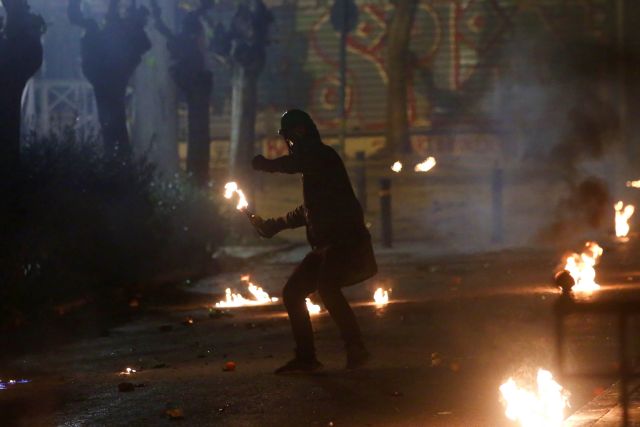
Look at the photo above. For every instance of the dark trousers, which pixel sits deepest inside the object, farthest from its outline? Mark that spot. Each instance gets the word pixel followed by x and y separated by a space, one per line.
pixel 315 274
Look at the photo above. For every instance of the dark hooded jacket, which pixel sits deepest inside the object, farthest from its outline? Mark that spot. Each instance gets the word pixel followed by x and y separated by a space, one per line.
pixel 331 212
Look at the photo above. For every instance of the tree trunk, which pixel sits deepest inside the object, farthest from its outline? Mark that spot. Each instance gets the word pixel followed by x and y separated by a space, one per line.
pixel 20 58
pixel 112 114
pixel 10 115
pixel 198 151
pixel 155 121
pixel 398 73
pixel 243 122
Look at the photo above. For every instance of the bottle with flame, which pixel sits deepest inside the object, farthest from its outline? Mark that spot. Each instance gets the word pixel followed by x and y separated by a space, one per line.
pixel 231 188
pixel 581 267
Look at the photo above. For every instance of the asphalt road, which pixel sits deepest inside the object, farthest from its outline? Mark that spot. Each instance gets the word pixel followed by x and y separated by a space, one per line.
pixel 456 328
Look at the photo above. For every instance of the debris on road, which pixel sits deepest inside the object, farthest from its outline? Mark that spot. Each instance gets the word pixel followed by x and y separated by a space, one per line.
pixel 173 412
pixel 229 366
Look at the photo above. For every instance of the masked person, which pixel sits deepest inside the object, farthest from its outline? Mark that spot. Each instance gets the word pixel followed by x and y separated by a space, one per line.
pixel 341 252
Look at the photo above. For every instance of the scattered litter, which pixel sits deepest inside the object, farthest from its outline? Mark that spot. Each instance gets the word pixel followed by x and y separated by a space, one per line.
pixel 173 412
pixel 221 410
pixel 229 366
pixel 436 359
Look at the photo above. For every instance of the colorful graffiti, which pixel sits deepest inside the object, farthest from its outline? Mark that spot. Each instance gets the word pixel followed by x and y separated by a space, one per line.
pixel 455 44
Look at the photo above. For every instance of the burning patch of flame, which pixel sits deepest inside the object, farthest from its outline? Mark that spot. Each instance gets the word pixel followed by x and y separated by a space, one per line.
pixel 231 188
pixel 397 166
pixel 128 371
pixel 634 184
pixel 426 166
pixel 233 299
pixel 311 307
pixel 542 405
pixel 582 268
pixel 381 297
pixel 623 213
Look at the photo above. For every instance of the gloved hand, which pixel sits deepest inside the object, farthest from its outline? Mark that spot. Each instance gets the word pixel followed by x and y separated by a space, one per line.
pixel 259 162
pixel 266 229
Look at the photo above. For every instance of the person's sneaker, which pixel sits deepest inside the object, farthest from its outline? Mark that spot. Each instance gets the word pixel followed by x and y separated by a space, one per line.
pixel 299 366
pixel 357 356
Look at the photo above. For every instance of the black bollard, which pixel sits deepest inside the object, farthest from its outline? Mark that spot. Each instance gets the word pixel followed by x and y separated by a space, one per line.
pixel 385 212
pixel 361 180
pixel 497 185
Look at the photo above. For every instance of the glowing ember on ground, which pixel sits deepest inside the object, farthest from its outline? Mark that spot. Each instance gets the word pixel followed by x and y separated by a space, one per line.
pixel 582 268
pixel 231 188
pixel 535 406
pixel 312 308
pixel 128 371
pixel 426 166
pixel 232 299
pixel 623 213
pixel 6 384
pixel 634 184
pixel 397 167
pixel 381 297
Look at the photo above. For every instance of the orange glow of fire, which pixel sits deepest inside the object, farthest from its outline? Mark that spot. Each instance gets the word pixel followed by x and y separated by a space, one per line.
pixel 633 184
pixel 426 166
pixel 535 406
pixel 128 371
pixel 233 299
pixel 311 307
pixel 582 268
pixel 397 166
pixel 231 188
pixel 623 213
pixel 381 297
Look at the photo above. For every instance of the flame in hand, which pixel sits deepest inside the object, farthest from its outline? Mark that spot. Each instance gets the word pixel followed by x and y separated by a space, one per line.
pixel 231 188
pixel 543 405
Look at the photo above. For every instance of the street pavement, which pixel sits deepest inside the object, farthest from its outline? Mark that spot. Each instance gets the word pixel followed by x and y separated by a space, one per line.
pixel 456 328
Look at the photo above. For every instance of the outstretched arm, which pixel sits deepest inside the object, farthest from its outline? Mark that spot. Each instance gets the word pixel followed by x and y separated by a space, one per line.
pixel 284 164
pixel 270 227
